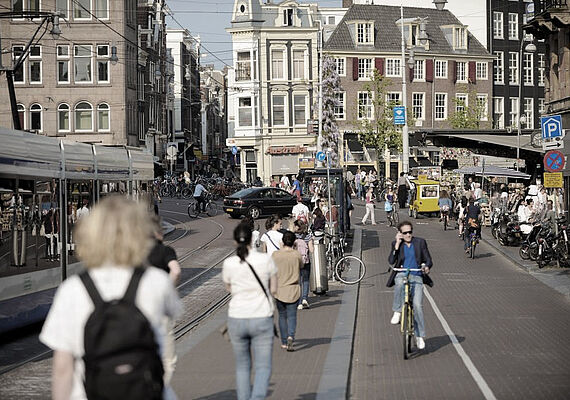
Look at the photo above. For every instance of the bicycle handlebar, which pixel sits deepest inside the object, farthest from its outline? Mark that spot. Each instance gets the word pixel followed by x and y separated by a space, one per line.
pixel 409 269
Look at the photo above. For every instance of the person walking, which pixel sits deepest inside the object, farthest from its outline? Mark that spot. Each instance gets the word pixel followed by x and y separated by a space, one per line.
pixel 112 242
pixel 249 276
pixel 289 263
pixel 410 252
pixel 357 181
pixel 402 190
pixel 271 240
pixel 369 207
pixel 304 245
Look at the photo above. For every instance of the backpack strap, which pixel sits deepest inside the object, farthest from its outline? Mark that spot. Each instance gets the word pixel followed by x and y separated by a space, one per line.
pixel 273 243
pixel 131 292
pixel 91 289
pixel 260 284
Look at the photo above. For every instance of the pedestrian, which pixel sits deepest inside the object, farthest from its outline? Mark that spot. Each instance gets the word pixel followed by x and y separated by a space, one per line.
pixel 289 264
pixel 284 183
pixel 84 210
pixel 410 252
pixel 304 245
pixel 255 244
pixel 300 211
pixel 357 181
pixel 297 189
pixel 402 190
pixel 198 195
pixel 369 207
pixel 248 276
pixel 271 239
pixel 112 242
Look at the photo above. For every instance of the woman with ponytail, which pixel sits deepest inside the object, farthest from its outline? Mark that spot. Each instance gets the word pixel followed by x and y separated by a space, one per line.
pixel 251 278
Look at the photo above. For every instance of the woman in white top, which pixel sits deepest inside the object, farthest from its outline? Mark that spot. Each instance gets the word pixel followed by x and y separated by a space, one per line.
pixel 271 240
pixel 250 314
pixel 111 241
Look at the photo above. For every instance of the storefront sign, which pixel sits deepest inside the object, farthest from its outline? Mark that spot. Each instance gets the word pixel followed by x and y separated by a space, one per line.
pixel 553 180
pixel 286 150
pixel 306 163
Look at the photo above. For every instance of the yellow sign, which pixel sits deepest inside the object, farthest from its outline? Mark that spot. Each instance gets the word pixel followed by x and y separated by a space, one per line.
pixel 553 180
pixel 422 177
pixel 306 163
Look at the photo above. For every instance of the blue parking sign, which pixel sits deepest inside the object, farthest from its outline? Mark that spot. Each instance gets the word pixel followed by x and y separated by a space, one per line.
pixel 400 115
pixel 551 126
pixel 321 156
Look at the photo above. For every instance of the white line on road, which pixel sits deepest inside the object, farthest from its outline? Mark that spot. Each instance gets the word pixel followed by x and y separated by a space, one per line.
pixel 464 357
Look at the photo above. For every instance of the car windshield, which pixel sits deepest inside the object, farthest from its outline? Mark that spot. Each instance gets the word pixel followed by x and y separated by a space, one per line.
pixel 243 192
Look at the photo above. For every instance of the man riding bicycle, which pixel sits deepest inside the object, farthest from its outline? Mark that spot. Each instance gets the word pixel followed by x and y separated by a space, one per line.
pixel 199 191
pixel 472 222
pixel 445 205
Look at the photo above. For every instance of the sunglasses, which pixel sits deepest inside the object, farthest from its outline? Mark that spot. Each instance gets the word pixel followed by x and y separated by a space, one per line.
pixel 407 233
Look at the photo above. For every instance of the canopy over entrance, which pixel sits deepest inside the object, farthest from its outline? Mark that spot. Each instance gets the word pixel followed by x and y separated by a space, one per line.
pixel 492 170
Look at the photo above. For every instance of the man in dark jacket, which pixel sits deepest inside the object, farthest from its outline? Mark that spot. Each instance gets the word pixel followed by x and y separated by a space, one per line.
pixel 410 252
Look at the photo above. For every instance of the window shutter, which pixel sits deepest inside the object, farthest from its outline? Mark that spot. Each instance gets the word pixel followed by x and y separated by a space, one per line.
pixel 379 63
pixel 429 70
pixel 472 72
pixel 355 68
pixel 454 71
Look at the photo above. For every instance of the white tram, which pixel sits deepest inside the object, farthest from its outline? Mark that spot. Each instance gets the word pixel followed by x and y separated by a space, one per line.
pixel 44 185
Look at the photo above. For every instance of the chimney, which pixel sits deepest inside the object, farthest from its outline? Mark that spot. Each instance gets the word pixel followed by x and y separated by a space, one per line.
pixel 346 3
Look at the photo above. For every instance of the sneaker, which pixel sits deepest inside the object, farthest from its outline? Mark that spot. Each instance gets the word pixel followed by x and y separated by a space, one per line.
pixel 395 318
pixel 290 344
pixel 300 307
pixel 305 304
pixel 374 223
pixel 420 343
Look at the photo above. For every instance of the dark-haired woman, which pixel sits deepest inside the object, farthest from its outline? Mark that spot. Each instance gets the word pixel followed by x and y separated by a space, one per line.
pixel 271 240
pixel 250 313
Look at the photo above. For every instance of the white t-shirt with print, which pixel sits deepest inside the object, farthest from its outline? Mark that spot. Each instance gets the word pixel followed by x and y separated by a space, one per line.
pixel 248 299
pixel 72 306
pixel 276 238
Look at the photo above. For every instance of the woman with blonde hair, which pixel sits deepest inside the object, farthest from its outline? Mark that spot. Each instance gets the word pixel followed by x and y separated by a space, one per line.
pixel 113 241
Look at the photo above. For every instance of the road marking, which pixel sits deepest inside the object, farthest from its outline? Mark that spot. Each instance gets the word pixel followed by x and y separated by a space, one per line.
pixel 479 380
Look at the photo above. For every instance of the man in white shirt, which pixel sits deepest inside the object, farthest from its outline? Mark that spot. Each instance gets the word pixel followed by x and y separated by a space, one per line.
pixel 199 191
pixel 84 210
pixel 300 211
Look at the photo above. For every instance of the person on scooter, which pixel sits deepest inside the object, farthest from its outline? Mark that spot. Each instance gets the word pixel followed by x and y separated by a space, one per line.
pixel 472 223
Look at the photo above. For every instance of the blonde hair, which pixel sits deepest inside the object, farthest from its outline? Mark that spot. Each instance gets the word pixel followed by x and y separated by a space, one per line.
pixel 118 231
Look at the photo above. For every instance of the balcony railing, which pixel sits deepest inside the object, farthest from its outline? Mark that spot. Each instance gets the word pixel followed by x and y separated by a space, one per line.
pixel 546 5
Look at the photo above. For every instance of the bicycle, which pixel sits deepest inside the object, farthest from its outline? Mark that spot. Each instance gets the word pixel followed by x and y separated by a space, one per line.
pixel 210 207
pixel 392 216
pixel 407 318
pixel 350 269
pixel 445 217
pixel 473 241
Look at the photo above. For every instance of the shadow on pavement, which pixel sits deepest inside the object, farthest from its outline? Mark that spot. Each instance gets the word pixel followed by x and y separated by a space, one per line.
pixel 225 395
pixel 325 303
pixel 302 344
pixel 370 240
pixel 306 396
pixel 484 255
pixel 435 343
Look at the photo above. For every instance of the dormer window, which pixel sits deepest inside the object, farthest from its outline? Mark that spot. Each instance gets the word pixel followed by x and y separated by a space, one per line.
pixel 365 33
pixel 460 38
pixel 288 17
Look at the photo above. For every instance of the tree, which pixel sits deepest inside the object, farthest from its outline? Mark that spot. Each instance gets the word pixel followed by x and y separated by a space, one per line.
pixel 468 112
pixel 330 87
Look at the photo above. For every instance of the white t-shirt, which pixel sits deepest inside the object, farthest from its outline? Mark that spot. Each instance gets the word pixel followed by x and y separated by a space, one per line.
pixel 299 209
pixel 255 240
pixel 276 238
pixel 72 307
pixel 248 300
pixel 82 212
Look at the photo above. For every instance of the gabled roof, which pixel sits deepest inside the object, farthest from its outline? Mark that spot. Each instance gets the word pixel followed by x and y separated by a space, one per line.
pixel 388 34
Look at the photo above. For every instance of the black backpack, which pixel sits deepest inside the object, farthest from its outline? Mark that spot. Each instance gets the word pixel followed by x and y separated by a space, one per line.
pixel 121 355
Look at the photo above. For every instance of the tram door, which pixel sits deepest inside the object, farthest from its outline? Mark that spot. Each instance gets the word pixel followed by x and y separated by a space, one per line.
pixel 80 200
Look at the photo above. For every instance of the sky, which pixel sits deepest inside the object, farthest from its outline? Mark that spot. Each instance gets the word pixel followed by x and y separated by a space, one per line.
pixel 209 19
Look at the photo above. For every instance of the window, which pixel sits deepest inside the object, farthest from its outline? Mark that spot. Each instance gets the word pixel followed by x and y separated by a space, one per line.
pixel 418 105
pixel 364 68
pixel 103 64
pixel 514 112
pixel 82 9
pixel 441 69
pixel 22 115
pixel 514 68
pixel 497 25
pixel 461 102
pixel 243 66
pixel 440 106
pixel 513 26
pixel 244 112
pixel 460 38
pixel 529 112
pixel 83 117
pixel 420 70
pixel 365 107
pixel 461 71
pixel 298 64
pixel 102 9
pixel 25 5
pixel 19 74
pixel 103 117
pixel 299 109
pixel 482 71
pixel 364 33
pixel 278 110
pixel 482 107
pixel 541 69
pixel 288 17
pixel 83 64
pixel 340 64
pixel 277 64
pixel 499 68
pixel 393 99
pixel 35 64
pixel 63 118
pixel 62 7
pixel 36 117
pixel 528 77
pixel 339 106
pixel 541 107
pixel 499 113
pixel 331 20
pixel 62 64
pixel 393 67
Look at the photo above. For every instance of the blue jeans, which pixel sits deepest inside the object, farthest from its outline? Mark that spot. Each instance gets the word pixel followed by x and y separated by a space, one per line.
pixel 287 319
pixel 305 272
pixel 249 334
pixel 417 288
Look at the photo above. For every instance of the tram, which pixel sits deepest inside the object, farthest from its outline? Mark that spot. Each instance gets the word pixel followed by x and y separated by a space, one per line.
pixel 46 185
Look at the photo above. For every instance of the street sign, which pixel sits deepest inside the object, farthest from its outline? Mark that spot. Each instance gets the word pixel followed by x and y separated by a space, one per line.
pixel 400 115
pixel 553 180
pixel 234 150
pixel 306 163
pixel 554 161
pixel 551 126
pixel 172 150
pixel 321 156
pixel 553 144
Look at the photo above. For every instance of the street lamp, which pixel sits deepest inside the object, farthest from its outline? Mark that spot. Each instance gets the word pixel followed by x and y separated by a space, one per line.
pixel 439 4
pixel 530 48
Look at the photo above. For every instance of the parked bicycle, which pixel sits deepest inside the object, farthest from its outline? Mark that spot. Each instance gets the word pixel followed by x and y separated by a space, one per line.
pixel 210 207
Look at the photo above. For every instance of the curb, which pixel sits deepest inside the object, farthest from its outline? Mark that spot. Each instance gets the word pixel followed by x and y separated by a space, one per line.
pixel 518 262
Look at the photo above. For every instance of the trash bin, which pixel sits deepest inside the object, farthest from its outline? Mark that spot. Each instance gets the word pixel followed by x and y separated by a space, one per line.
pixel 319 283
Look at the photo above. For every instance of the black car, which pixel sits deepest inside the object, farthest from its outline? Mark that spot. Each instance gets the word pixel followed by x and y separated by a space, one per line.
pixel 257 201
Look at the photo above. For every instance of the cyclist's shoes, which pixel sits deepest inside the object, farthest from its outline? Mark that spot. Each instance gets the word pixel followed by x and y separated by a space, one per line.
pixel 290 344
pixel 305 304
pixel 374 223
pixel 395 318
pixel 300 307
pixel 420 343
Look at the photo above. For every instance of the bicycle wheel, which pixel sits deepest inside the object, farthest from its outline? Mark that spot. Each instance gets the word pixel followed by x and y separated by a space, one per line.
pixel 193 209
pixel 350 270
pixel 395 217
pixel 444 222
pixel 473 245
pixel 406 337
pixel 211 209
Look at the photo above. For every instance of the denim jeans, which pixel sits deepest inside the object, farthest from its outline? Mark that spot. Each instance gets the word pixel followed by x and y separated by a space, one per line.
pixel 249 334
pixel 417 288
pixel 287 320
pixel 305 272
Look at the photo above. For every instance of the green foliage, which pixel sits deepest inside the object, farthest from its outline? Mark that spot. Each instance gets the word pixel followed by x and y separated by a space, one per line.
pixel 469 114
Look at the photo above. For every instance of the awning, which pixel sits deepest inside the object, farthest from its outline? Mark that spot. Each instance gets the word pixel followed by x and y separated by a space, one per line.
pixel 500 140
pixel 421 162
pixel 492 170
